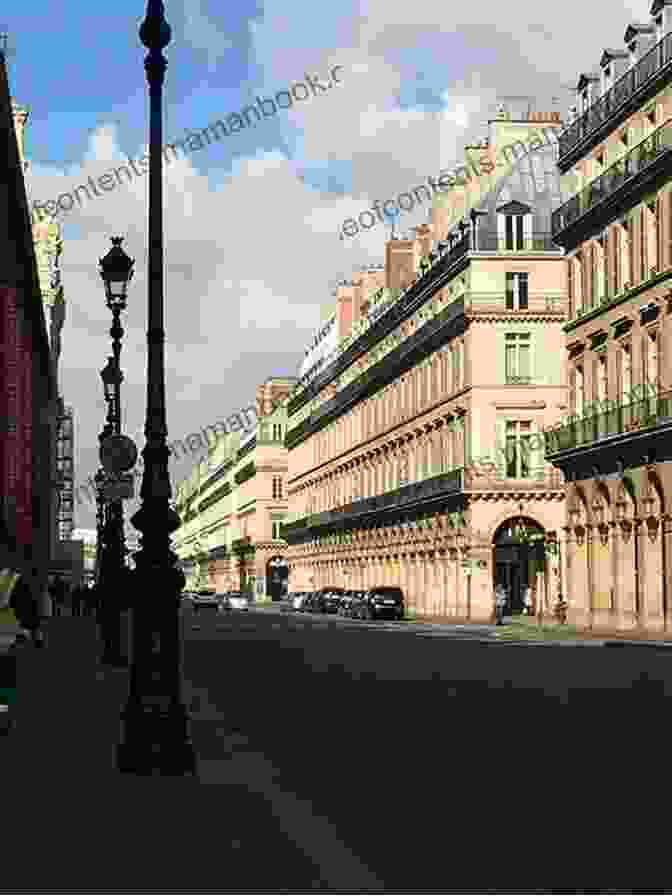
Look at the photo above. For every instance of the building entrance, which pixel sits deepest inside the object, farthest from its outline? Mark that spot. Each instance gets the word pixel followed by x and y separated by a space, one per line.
pixel 520 561
pixel 277 573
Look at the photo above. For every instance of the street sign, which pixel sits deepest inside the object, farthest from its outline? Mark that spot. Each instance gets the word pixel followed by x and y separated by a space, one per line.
pixel 118 454
pixel 119 489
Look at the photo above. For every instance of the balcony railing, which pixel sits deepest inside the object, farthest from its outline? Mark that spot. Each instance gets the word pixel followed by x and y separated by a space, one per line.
pixel 512 380
pixel 624 418
pixel 633 162
pixel 487 241
pixel 495 302
pixel 614 99
pixel 490 480
pixel 398 500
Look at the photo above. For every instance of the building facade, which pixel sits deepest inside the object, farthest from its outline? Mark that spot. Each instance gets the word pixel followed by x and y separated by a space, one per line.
pixel 233 505
pixel 415 434
pixel 48 246
pixel 28 397
pixel 615 449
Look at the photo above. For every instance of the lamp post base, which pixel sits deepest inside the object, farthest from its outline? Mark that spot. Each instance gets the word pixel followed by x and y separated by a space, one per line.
pixel 156 739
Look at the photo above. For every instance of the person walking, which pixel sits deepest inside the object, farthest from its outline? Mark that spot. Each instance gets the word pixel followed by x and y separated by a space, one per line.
pixel 500 604
pixel 76 601
pixel 26 609
pixel 56 594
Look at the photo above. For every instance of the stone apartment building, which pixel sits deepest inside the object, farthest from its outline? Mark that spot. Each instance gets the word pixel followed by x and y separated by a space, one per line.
pixel 615 449
pixel 234 502
pixel 28 399
pixel 415 434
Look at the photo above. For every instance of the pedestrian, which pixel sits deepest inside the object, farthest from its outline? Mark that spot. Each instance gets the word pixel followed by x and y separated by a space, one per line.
pixel 56 593
pixel 26 609
pixel 500 604
pixel 91 599
pixel 76 601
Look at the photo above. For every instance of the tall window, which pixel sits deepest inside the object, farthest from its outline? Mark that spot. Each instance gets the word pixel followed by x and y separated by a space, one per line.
pixel 518 368
pixel 580 391
pixel 599 270
pixel 601 384
pixel 275 525
pixel 277 432
pixel 277 488
pixel 625 371
pixel 457 366
pixel 513 232
pixel 516 291
pixel 577 282
pixel 518 436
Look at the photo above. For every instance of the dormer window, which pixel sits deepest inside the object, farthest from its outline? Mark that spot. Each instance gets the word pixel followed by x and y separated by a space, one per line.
pixel 584 100
pixel 514 226
pixel 658 22
pixel 624 137
pixel 632 49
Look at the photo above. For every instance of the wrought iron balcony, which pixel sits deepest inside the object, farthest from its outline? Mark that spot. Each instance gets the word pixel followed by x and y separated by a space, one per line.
pixel 489 479
pixel 487 241
pixel 633 163
pixel 624 418
pixel 518 380
pixel 649 66
pixel 414 496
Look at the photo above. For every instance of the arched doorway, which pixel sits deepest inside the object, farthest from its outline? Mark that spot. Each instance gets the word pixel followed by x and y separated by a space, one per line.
pixel 277 573
pixel 519 558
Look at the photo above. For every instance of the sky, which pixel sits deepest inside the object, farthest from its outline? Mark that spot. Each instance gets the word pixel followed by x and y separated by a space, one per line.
pixel 252 222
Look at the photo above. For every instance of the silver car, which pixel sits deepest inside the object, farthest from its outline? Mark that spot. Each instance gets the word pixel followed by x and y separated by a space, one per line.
pixel 234 600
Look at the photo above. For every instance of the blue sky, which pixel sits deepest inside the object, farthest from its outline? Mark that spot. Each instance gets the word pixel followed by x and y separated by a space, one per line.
pixel 252 223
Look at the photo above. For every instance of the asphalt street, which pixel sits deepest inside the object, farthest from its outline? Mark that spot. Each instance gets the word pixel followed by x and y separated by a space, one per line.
pixel 435 763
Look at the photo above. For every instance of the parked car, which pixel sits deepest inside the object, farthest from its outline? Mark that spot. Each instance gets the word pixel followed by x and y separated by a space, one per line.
pixel 329 600
pixel 309 604
pixel 387 601
pixel 347 601
pixel 234 600
pixel 205 599
pixel 298 598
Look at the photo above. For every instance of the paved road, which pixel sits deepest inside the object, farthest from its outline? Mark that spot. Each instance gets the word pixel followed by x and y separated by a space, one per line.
pixel 406 754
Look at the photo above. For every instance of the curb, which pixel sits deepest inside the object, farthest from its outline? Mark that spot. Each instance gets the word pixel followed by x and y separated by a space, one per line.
pixel 652 645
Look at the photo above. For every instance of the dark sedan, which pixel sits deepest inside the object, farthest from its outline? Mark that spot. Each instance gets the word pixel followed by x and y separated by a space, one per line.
pixel 329 600
pixel 384 601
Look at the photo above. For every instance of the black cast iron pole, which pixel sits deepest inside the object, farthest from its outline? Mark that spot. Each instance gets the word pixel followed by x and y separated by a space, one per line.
pixel 156 725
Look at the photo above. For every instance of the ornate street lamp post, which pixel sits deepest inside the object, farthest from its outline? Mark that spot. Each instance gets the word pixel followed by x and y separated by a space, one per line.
pixel 116 270
pixel 155 722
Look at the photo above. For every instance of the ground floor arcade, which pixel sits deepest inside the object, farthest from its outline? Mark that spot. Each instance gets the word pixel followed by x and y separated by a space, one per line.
pixel 448 563
pixel 619 550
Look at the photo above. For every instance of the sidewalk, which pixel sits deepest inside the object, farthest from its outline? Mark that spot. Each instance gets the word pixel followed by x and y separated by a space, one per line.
pixel 71 822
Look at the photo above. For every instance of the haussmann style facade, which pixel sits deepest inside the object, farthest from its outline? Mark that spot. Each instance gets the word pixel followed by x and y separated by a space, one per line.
pixel 415 434
pixel 234 503
pixel 616 448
